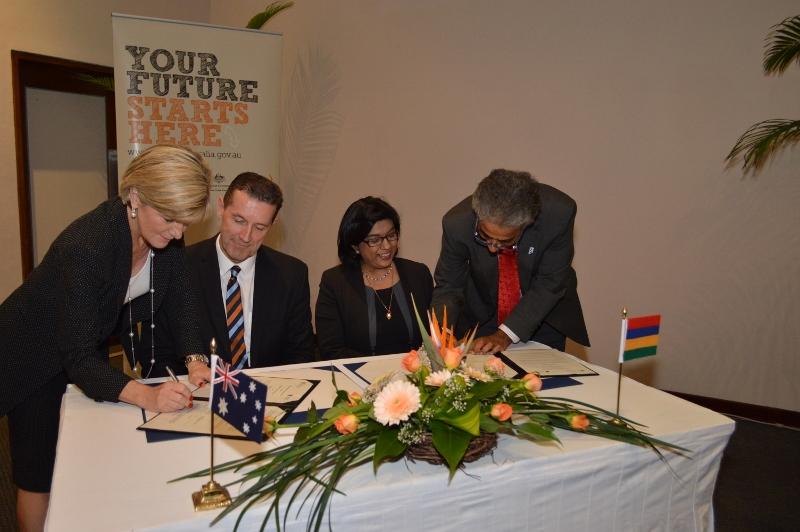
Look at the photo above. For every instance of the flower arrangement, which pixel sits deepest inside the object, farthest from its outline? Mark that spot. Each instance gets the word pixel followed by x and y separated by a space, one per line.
pixel 440 408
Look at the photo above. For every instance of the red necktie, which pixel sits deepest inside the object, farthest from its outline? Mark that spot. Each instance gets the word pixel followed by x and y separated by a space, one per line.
pixel 508 292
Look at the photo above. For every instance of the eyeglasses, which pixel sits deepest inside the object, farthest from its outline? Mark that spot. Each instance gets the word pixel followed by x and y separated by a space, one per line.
pixel 494 244
pixel 375 240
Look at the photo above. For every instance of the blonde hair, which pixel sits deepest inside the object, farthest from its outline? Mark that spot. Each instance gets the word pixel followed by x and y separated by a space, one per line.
pixel 171 179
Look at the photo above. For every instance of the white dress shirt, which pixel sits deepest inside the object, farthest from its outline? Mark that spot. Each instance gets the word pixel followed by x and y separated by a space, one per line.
pixel 246 281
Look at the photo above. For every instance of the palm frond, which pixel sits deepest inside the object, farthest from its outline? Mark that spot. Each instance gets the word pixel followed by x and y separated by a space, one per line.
pixel 259 19
pixel 763 140
pixel 782 46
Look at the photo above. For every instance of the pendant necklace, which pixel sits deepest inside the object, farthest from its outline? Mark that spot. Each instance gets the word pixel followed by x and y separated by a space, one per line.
pixel 152 323
pixel 387 308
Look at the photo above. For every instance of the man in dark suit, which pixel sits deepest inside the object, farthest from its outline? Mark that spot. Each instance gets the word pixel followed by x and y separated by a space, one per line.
pixel 506 265
pixel 260 315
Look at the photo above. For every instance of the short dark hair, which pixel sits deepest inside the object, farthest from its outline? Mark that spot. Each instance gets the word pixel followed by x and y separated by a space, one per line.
pixel 508 198
pixel 257 187
pixel 357 222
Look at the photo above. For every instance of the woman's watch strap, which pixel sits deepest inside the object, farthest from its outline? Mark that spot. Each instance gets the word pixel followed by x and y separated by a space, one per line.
pixel 195 358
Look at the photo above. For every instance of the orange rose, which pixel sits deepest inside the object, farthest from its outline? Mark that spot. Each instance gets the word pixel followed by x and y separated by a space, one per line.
pixel 353 398
pixel 270 426
pixel 452 357
pixel 532 382
pixel 501 411
pixel 346 423
pixel 579 421
pixel 411 361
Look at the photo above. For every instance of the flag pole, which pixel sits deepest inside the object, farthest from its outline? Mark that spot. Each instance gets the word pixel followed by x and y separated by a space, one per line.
pixel 619 371
pixel 212 495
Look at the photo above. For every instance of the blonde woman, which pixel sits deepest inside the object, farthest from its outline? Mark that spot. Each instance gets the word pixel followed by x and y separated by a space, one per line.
pixel 110 269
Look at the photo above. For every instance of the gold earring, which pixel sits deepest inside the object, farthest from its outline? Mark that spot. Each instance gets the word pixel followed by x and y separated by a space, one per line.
pixel 135 212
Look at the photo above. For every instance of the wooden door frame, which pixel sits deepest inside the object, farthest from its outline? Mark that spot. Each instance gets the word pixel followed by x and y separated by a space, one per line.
pixel 64 75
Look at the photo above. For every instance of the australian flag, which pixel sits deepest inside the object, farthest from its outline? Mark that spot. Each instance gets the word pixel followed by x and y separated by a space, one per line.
pixel 238 399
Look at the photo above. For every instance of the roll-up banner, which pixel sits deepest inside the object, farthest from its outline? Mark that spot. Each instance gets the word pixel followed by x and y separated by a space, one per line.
pixel 213 89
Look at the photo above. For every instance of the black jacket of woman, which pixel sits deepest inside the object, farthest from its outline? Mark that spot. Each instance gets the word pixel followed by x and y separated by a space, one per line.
pixel 342 317
pixel 60 319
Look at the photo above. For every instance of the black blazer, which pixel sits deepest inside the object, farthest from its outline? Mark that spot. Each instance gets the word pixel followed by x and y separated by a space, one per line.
pixel 60 319
pixel 466 273
pixel 341 312
pixel 281 330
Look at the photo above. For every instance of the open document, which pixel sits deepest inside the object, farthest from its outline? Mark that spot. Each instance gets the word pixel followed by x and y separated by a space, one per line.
pixel 283 395
pixel 545 362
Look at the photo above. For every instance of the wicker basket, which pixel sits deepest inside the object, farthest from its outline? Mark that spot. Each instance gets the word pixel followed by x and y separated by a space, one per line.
pixel 479 446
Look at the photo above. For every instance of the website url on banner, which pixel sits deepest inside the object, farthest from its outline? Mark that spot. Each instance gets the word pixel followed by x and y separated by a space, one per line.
pixel 206 154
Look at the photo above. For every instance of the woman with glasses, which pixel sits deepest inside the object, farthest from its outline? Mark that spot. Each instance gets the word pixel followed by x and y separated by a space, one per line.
pixel 364 305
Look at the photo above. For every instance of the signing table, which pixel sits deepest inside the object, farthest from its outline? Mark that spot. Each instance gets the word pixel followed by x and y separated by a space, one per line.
pixel 107 477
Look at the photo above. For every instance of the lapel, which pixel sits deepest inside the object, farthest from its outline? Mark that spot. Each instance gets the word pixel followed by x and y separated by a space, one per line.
pixel 356 282
pixel 264 304
pixel 528 249
pixel 211 289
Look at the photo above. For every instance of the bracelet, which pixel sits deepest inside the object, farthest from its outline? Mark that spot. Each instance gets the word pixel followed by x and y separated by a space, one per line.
pixel 196 358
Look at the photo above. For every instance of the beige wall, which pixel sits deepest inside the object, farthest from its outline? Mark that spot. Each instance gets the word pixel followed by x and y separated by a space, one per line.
pixel 629 107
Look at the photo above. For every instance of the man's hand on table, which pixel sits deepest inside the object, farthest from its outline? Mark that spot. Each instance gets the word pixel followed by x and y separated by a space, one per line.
pixel 487 345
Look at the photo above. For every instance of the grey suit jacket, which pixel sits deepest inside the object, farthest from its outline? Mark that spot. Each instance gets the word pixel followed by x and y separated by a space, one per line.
pixel 466 273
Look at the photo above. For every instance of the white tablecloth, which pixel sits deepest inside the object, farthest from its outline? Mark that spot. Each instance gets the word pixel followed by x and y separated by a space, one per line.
pixel 108 478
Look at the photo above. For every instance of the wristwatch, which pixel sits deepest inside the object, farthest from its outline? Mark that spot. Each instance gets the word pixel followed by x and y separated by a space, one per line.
pixel 197 357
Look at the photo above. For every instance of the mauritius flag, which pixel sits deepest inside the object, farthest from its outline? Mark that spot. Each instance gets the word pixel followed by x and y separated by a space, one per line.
pixel 639 337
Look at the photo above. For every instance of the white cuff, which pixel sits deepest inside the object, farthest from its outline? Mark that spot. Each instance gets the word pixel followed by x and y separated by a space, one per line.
pixel 509 333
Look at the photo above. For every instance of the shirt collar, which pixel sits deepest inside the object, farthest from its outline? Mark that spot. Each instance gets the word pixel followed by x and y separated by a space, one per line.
pixel 225 264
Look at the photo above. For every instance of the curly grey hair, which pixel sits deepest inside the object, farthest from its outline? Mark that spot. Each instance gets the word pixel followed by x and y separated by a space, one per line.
pixel 508 198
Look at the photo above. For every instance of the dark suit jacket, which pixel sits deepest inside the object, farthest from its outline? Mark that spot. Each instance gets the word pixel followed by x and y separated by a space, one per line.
pixel 281 326
pixel 60 319
pixel 466 273
pixel 341 312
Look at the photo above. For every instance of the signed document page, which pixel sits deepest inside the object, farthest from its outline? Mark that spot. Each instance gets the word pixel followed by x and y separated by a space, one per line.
pixel 197 420
pixel 546 362
pixel 280 390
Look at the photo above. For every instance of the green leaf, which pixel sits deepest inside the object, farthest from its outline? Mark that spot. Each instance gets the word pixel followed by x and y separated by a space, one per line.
pixel 451 443
pixel 259 19
pixel 536 431
pixel 433 354
pixel 762 141
pixel 468 421
pixel 489 424
pixel 483 390
pixel 387 446
pixel 782 46
pixel 311 416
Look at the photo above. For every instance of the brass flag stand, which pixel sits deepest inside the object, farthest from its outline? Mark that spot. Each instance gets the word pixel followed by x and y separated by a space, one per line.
pixel 617 420
pixel 212 494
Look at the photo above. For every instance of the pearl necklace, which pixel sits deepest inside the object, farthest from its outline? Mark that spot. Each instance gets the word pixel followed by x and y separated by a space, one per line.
pixel 152 323
pixel 378 278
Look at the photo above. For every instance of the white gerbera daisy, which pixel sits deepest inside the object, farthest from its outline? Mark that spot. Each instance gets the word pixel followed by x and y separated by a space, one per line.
pixel 397 401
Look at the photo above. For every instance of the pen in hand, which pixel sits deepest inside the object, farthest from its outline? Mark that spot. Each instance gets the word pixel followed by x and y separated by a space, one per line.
pixel 175 378
pixel 171 373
